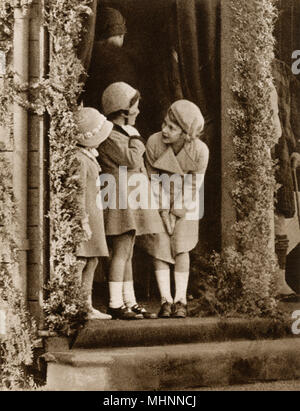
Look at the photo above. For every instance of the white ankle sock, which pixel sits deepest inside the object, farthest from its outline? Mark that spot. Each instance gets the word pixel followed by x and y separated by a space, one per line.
pixel 181 283
pixel 128 294
pixel 115 294
pixel 164 285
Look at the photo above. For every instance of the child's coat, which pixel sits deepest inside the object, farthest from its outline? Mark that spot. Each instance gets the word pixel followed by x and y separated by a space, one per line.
pixel 89 181
pixel 120 149
pixel 192 159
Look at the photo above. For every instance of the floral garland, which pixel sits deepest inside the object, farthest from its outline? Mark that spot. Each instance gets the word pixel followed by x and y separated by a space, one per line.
pixel 16 347
pixel 65 307
pixel 247 269
pixel 241 280
pixel 251 264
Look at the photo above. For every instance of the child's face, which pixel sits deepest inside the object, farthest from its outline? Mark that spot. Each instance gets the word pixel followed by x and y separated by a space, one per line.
pixel 116 40
pixel 171 131
pixel 133 113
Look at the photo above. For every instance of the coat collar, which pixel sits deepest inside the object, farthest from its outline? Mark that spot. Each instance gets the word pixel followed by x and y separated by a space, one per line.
pixel 121 130
pixel 90 155
pixel 176 164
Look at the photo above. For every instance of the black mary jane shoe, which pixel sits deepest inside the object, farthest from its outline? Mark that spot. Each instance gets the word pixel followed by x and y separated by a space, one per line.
pixel 123 313
pixel 140 310
pixel 180 310
pixel 165 310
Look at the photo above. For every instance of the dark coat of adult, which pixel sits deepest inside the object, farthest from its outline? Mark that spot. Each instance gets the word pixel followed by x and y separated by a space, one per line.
pixel 109 64
pixel 288 89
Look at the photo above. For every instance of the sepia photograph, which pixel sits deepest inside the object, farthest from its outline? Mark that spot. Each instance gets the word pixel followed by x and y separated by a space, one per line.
pixel 149 198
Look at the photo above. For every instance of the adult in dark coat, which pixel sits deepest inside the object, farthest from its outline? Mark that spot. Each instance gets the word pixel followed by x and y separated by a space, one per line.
pixel 111 62
pixel 287 153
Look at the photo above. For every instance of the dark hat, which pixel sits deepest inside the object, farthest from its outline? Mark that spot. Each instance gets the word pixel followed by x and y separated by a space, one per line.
pixel 109 23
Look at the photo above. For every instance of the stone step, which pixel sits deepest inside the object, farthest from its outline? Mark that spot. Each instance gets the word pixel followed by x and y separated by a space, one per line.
pixel 116 333
pixel 174 366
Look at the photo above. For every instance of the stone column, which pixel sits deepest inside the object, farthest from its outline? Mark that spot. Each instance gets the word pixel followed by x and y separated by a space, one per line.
pixel 20 153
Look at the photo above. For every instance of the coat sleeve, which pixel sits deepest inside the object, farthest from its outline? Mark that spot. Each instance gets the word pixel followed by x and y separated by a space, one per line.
pixel 128 153
pixel 295 111
pixel 192 183
pixel 81 195
pixel 157 192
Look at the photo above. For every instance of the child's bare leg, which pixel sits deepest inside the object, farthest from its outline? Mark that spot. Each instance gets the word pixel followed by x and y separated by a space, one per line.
pixel 81 263
pixel 129 294
pixel 122 251
pixel 87 287
pixel 120 270
pixel 128 287
pixel 88 278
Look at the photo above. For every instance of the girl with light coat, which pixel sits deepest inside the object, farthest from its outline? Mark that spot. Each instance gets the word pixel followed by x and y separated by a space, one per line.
pixel 177 151
pixel 93 129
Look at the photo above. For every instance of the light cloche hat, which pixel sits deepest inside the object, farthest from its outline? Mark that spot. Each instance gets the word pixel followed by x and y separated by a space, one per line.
pixel 189 117
pixel 93 127
pixel 118 96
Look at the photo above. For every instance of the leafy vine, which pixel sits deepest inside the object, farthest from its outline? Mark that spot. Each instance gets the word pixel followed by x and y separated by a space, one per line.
pixel 243 276
pixel 16 346
pixel 65 307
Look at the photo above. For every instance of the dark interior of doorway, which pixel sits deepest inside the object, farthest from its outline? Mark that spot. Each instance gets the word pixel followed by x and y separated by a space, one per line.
pixel 150 39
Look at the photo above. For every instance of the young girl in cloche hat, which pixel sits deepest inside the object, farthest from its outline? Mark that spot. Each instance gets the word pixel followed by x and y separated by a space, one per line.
pixel 177 150
pixel 125 148
pixel 93 129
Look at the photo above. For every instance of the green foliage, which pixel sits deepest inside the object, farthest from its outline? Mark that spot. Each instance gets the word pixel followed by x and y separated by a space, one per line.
pixel 241 279
pixel 218 283
pixel 224 288
pixel 64 307
pixel 57 95
pixel 16 346
pixel 253 137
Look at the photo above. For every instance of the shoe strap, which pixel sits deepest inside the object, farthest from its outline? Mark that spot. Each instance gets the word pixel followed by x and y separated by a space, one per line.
pixel 139 307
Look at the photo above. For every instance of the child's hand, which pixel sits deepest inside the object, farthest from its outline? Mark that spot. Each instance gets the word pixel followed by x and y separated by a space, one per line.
pixel 295 160
pixel 165 216
pixel 173 219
